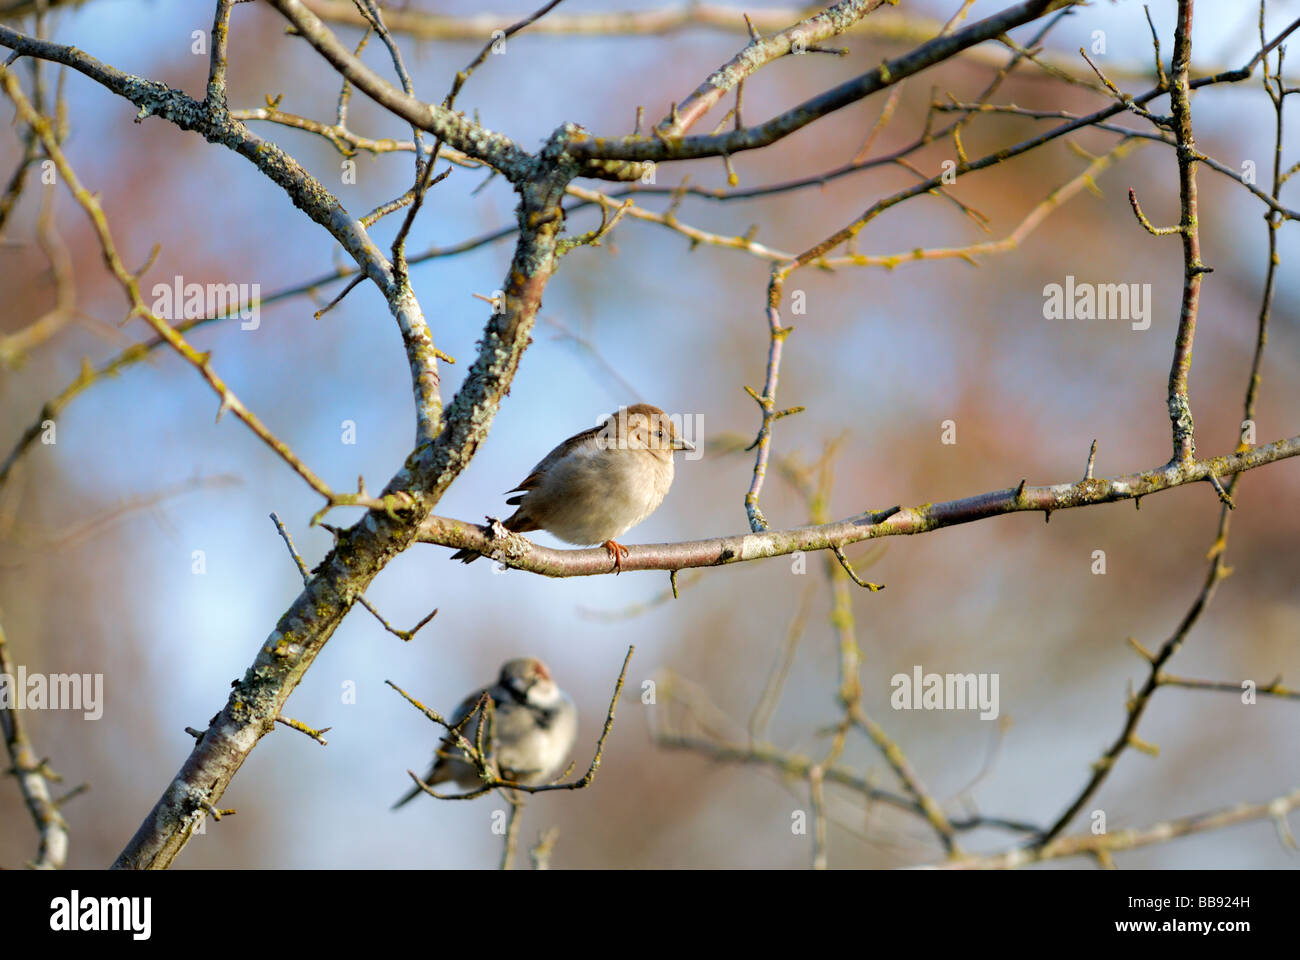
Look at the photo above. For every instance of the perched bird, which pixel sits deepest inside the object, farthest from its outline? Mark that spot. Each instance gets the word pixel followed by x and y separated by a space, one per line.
pixel 599 483
pixel 535 727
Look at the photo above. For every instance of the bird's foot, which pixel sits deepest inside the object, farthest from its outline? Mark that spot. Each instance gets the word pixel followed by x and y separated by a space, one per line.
pixel 618 551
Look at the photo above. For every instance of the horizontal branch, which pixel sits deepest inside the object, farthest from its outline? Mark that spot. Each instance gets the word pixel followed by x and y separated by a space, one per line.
pixel 887 26
pixel 1238 687
pixel 522 554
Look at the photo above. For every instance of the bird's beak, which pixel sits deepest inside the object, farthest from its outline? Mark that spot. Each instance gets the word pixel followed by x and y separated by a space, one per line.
pixel 680 443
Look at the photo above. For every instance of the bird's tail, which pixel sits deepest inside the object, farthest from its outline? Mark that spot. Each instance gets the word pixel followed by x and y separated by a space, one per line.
pixel 431 778
pixel 464 556
pixel 415 792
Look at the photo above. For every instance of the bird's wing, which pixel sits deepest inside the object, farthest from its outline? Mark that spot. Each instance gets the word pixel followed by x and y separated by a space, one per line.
pixel 470 730
pixel 535 475
pixel 448 754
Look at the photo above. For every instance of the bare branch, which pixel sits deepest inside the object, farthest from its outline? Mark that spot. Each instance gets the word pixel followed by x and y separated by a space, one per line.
pixel 1180 413
pixel 892 71
pixel 33 778
pixel 1116 840
pixel 521 554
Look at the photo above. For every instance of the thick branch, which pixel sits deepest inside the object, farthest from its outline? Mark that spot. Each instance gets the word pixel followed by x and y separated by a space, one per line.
pixel 358 556
pixel 363 550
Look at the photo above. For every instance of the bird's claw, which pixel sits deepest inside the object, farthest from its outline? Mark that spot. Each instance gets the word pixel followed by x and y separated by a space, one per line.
pixel 618 551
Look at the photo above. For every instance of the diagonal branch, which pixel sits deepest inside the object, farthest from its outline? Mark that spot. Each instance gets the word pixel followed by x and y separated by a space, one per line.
pixel 1104 843
pixel 33 778
pixel 760 52
pixel 641 148
pixel 365 548
pixel 654 148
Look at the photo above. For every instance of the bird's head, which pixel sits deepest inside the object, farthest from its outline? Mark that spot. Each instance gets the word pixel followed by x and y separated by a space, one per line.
pixel 643 427
pixel 529 680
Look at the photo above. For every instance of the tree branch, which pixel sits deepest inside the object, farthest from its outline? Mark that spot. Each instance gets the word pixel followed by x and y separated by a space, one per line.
pixel 33 778
pixel 1097 843
pixel 521 554
pixel 653 148
pixel 1180 413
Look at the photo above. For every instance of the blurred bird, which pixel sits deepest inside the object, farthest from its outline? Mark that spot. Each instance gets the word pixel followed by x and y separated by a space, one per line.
pixel 535 727
pixel 599 483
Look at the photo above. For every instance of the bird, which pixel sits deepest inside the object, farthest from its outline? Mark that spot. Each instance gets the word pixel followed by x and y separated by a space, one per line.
pixel 599 483
pixel 535 726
